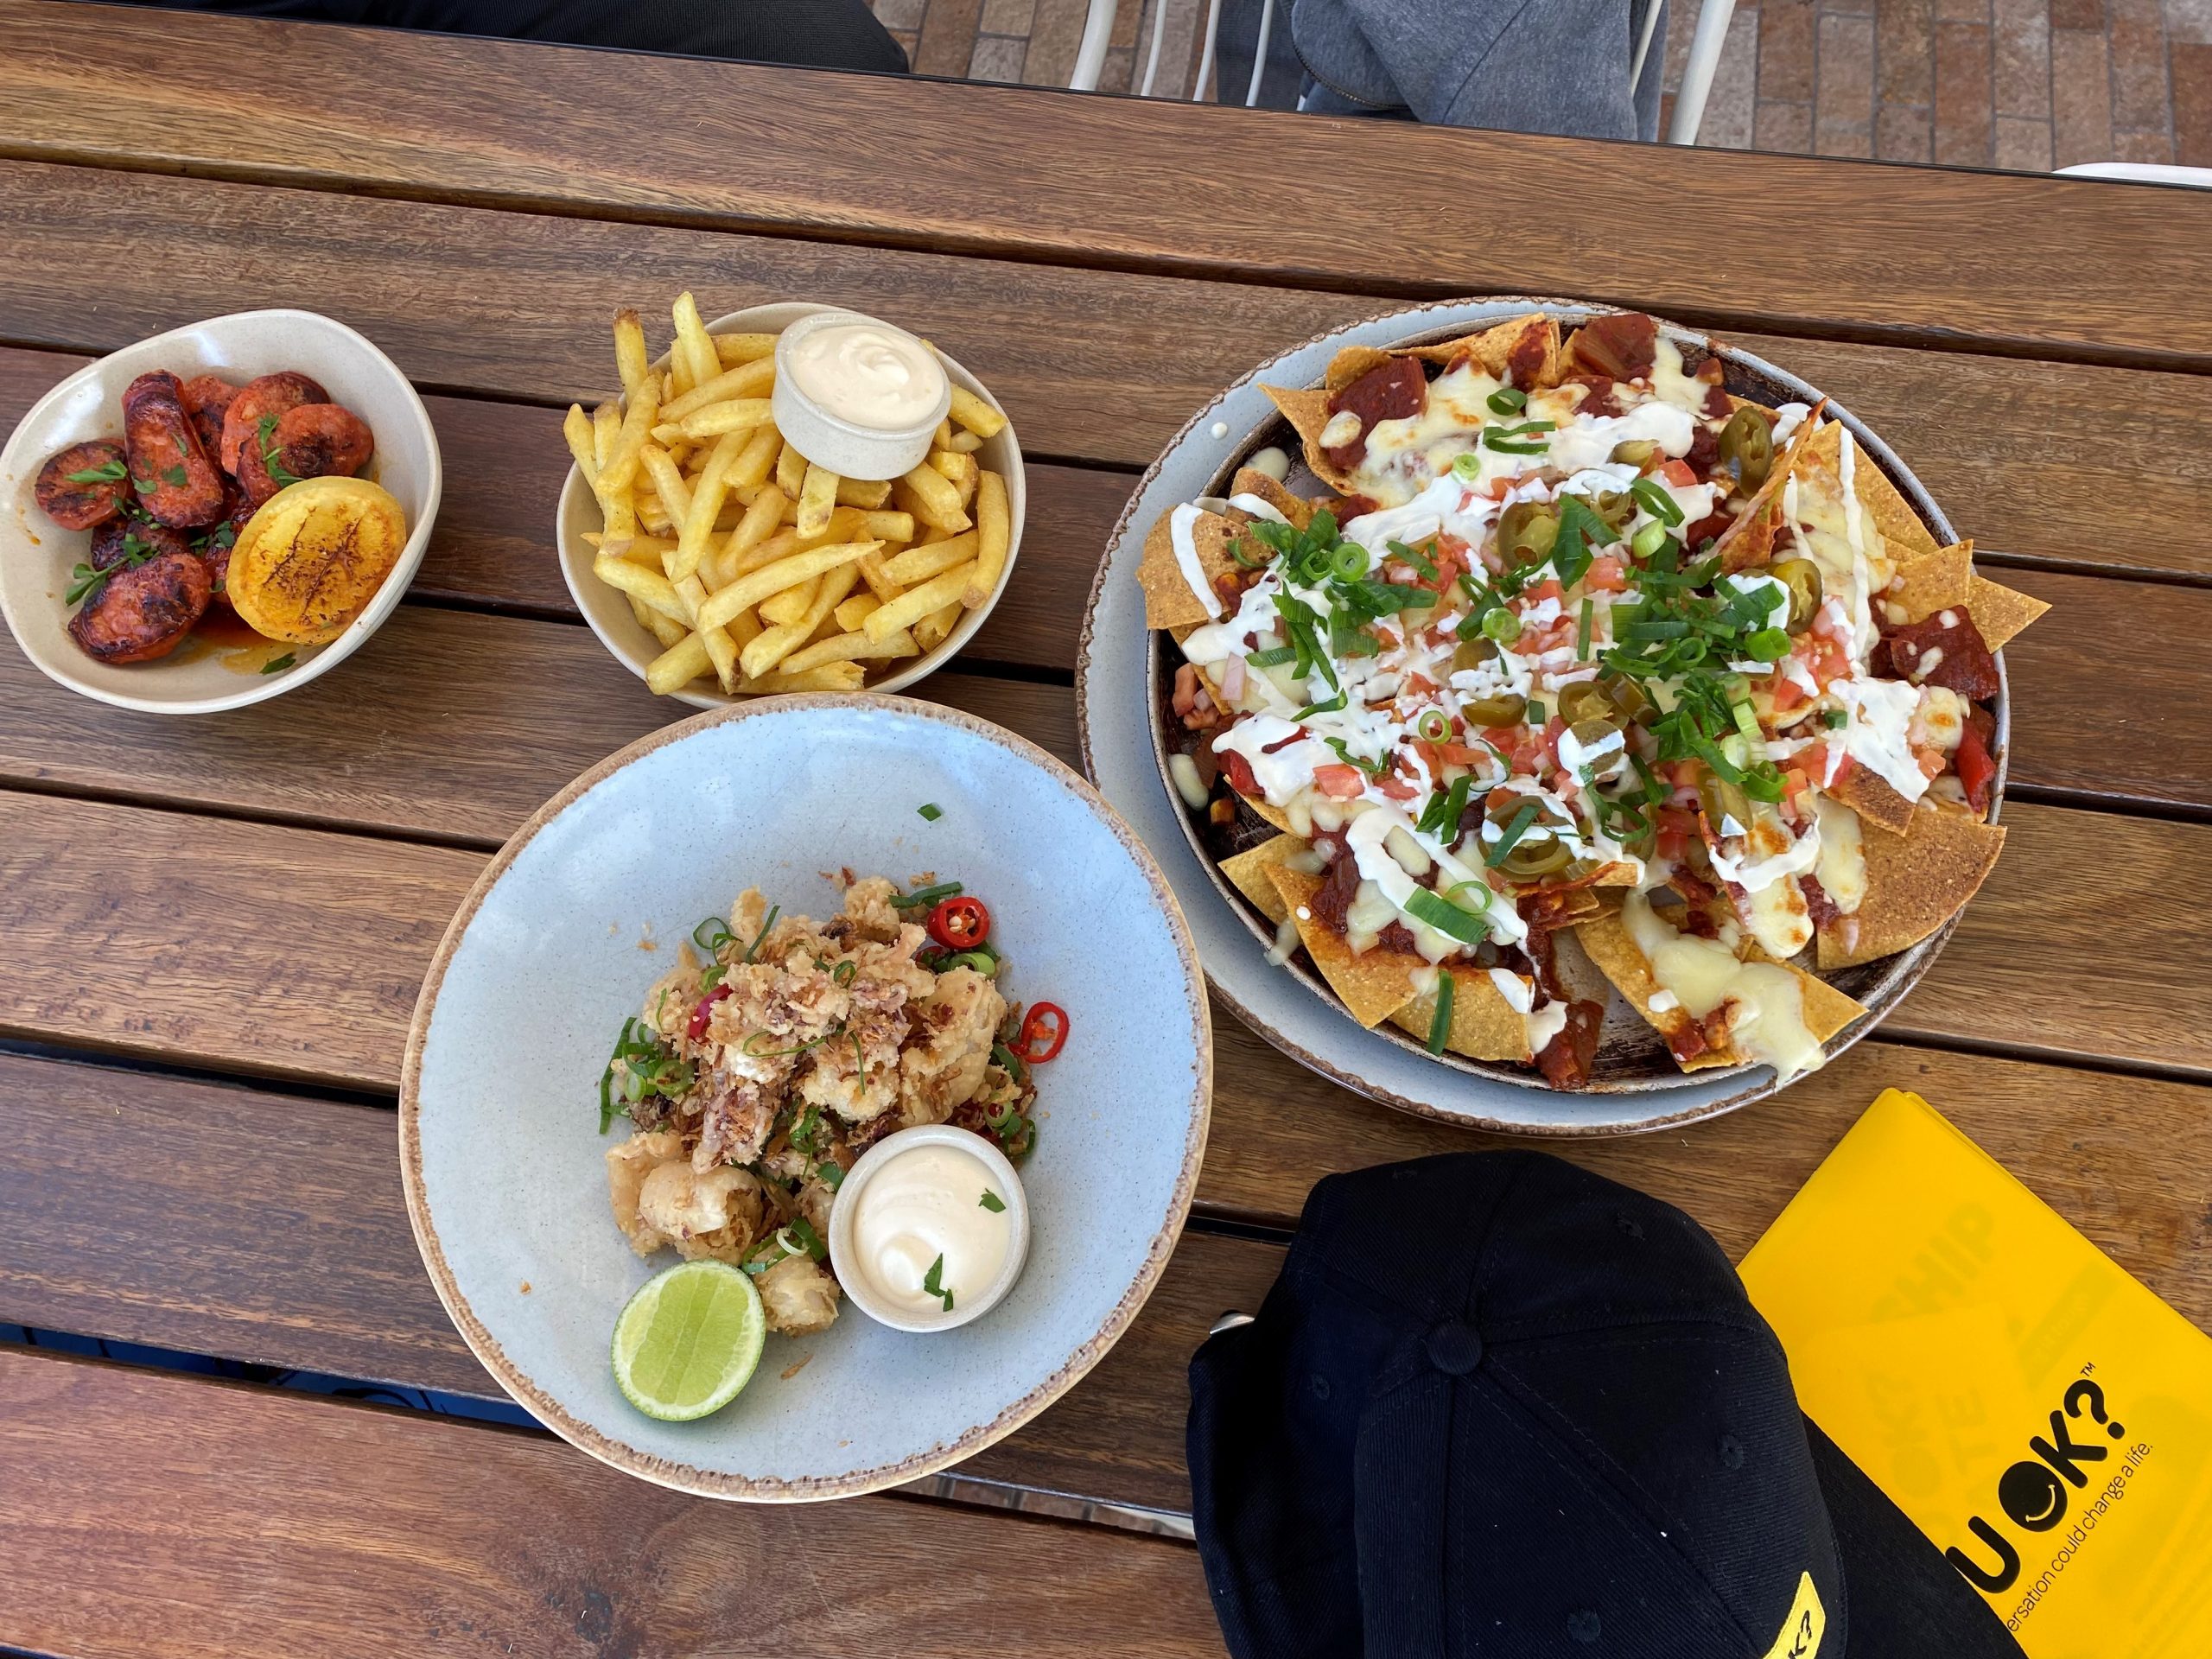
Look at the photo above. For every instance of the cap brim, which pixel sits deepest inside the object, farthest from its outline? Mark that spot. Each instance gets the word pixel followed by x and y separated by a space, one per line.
pixel 1902 1596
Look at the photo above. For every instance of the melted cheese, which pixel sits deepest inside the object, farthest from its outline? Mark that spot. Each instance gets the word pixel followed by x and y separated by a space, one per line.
pixel 1841 870
pixel 1766 1018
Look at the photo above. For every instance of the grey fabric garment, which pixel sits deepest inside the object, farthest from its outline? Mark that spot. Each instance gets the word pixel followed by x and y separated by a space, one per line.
pixel 1521 65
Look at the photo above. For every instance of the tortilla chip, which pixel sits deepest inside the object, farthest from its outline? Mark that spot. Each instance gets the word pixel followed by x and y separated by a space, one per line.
pixel 1871 796
pixel 1819 456
pixel 1247 874
pixel 1999 612
pixel 1928 582
pixel 1168 600
pixel 1274 815
pixel 1492 349
pixel 1250 480
pixel 1374 986
pixel 1484 1025
pixel 1307 413
pixel 1915 882
pixel 1606 941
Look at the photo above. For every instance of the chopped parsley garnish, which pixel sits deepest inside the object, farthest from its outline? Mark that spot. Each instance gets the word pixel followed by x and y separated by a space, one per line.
pixel 85 583
pixel 270 451
pixel 279 665
pixel 992 1202
pixel 108 472
pixel 933 1282
pixel 930 811
pixel 174 477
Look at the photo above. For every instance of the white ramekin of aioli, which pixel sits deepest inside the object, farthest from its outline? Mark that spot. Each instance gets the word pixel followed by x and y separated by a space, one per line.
pixel 858 396
pixel 930 1229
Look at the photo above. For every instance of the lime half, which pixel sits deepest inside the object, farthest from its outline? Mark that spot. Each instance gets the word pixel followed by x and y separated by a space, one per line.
pixel 688 1340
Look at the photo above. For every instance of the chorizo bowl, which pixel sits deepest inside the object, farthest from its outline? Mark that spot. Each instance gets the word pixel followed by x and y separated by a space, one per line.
pixel 215 668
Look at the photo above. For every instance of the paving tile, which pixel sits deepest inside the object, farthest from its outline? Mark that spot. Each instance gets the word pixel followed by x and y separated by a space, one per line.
pixel 1054 35
pixel 1843 111
pixel 1179 46
pixel 997 57
pixel 2189 20
pixel 2155 144
pixel 899 15
pixel 2135 35
pixel 1126 17
pixel 2023 143
pixel 1783 127
pixel 2077 14
pixel 1007 17
pixel 1962 11
pixel 2081 97
pixel 1681 28
pixel 1786 51
pixel 948 37
pixel 1729 108
pixel 2192 104
pixel 2021 37
pixel 1904 132
pixel 1905 52
pixel 909 42
pixel 1963 134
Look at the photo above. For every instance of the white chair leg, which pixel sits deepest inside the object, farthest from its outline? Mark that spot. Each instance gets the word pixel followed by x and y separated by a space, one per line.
pixel 1259 54
pixel 1152 60
pixel 1090 52
pixel 1206 57
pixel 1697 78
pixel 1643 46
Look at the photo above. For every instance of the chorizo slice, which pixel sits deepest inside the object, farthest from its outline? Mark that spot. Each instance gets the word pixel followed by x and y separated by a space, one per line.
pixel 170 467
pixel 269 396
pixel 83 486
pixel 207 398
pixel 145 611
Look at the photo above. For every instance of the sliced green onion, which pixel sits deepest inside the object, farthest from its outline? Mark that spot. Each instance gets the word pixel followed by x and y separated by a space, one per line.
pixel 1516 827
pixel 1747 722
pixel 1767 646
pixel 1655 501
pixel 1440 1026
pixel 1419 562
pixel 1645 633
pixel 1349 562
pixel 1501 626
pixel 1468 468
pixel 1236 552
pixel 844 972
pixel 1507 401
pixel 1835 718
pixel 1648 541
pixel 982 961
pixel 1446 917
pixel 1272 657
pixel 1507 447
pixel 927 895
pixel 1433 727
pixel 1441 817
pixel 1535 715
pixel 930 811
pixel 1582 627
pixel 774 911
pixel 1329 707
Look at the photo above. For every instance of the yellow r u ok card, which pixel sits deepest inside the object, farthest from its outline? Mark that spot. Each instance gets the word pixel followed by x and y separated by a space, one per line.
pixel 2039 1414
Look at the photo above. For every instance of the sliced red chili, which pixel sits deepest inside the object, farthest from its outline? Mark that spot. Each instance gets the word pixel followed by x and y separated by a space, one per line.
pixel 1044 1033
pixel 960 924
pixel 697 1029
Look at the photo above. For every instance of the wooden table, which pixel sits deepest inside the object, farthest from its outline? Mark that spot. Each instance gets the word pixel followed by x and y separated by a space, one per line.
pixel 212 930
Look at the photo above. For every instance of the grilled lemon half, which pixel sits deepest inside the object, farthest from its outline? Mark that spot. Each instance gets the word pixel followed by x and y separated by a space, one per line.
pixel 313 557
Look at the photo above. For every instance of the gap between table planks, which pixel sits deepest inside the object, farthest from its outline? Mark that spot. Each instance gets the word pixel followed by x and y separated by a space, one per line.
pixel 147 1515
pixel 2036 460
pixel 269 1228
pixel 2056 267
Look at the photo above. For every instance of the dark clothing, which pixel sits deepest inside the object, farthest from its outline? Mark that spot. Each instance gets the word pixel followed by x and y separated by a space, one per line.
pixel 821 34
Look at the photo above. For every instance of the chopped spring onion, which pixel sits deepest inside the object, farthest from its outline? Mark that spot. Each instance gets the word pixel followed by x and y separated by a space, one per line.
pixel 1582 627
pixel 1835 718
pixel 1648 541
pixel 1272 657
pixel 1507 401
pixel 1537 713
pixel 1501 627
pixel 1445 918
pixel 760 938
pixel 927 895
pixel 1767 646
pixel 1433 727
pixel 1419 562
pixel 1516 827
pixel 1440 817
pixel 1468 468
pixel 1655 501
pixel 1439 1027
pixel 1746 722
pixel 982 961
pixel 712 934
pixel 930 811
pixel 1349 562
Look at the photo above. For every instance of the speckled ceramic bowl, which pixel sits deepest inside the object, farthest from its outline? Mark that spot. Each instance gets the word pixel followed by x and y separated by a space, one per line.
pixel 500 1147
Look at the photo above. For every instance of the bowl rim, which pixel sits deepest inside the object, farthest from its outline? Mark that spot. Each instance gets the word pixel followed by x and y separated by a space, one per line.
pixel 763 1489
pixel 873 1161
pixel 380 606
pixel 574 555
pixel 1424 323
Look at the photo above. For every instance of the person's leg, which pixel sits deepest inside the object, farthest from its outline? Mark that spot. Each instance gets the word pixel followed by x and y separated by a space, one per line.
pixel 822 34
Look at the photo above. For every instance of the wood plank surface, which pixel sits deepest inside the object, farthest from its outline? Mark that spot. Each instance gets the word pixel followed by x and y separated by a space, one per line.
pixel 2038 461
pixel 157 1518
pixel 270 1228
pixel 280 951
pixel 1716 235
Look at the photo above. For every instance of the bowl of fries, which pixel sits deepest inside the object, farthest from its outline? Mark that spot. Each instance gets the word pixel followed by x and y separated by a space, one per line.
pixel 717 562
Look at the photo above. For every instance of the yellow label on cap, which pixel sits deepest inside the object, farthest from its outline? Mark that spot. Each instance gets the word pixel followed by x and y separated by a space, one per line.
pixel 1806 1624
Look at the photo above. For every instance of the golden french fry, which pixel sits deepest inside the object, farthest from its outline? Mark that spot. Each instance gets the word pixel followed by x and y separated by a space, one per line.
pixel 930 630
pixel 706 503
pixel 668 482
pixel 863 492
pixel 722 652
pixel 933 498
pixel 994 529
pixel 678 665
pixel 758 459
pixel 830 676
pixel 752 379
pixel 755 528
pixel 738 415
pixel 744 628
pixel 690 593
pixel 850 647
pixel 606 426
pixel 647 550
pixel 577 428
pixel 637 426
pixel 883 525
pixel 750 589
pixel 655 518
pixel 734 349
pixel 630 359
pixel 666 629
pixel 873 573
pixel 777 643
pixel 650 586
pixel 855 611
pixel 975 414
pixel 931 558
pixel 784 609
pixel 960 469
pixel 966 442
pixel 817 498
pixel 791 471
pixel 694 346
pixel 917 602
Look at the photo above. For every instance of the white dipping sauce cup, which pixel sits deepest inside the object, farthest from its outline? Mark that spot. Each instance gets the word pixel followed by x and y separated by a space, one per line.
pixel 831 441
pixel 843 1210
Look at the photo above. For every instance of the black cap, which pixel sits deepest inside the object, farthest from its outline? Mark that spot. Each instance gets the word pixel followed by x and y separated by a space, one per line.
pixel 1497 1405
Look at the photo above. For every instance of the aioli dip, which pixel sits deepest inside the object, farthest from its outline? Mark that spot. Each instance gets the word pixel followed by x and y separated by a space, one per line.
pixel 925 1211
pixel 868 374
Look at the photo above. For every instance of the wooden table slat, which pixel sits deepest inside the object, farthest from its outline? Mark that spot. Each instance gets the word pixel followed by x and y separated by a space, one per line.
pixel 1809 245
pixel 152 1517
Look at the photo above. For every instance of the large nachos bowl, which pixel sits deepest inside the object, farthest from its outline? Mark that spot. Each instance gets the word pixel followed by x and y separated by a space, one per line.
pixel 1833 495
